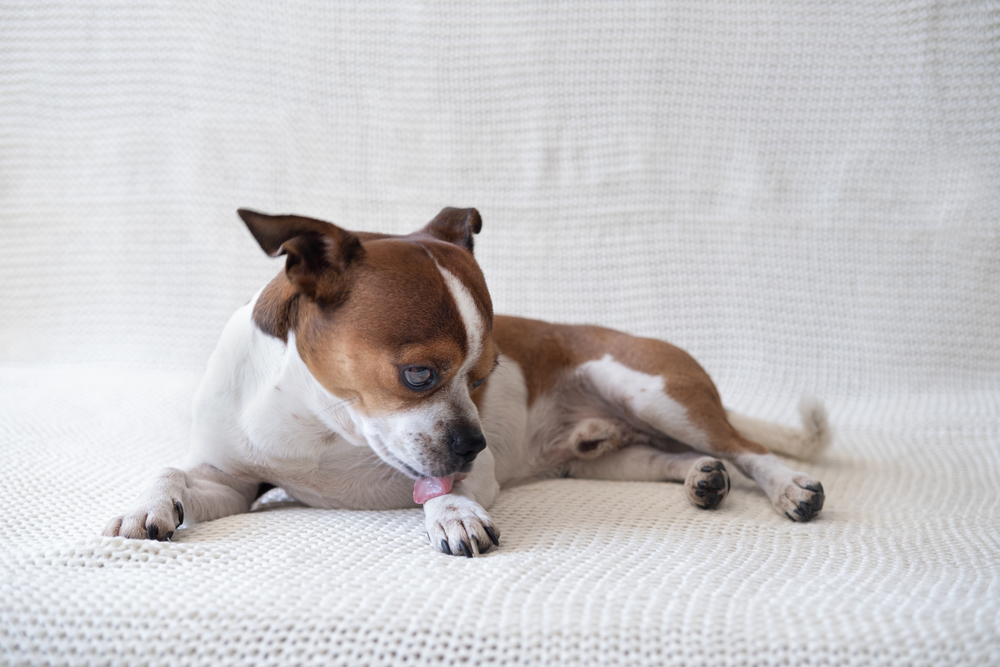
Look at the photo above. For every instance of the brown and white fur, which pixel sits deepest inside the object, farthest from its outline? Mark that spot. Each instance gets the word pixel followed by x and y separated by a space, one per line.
pixel 310 389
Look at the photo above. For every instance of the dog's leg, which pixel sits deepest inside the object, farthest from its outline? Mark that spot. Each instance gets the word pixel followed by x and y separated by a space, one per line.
pixel 796 495
pixel 705 478
pixel 175 496
pixel 457 523
pixel 685 406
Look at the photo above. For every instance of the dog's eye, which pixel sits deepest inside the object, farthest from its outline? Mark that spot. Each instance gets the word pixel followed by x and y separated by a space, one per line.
pixel 475 385
pixel 419 378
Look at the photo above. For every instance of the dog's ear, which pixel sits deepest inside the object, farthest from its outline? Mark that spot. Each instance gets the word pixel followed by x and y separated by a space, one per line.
pixel 318 252
pixel 455 225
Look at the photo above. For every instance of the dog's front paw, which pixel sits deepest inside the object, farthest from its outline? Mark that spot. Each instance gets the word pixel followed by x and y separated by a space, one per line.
pixel 157 520
pixel 707 483
pixel 458 526
pixel 802 499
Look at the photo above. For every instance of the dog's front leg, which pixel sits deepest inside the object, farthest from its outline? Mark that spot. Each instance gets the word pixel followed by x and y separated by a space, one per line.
pixel 174 496
pixel 457 523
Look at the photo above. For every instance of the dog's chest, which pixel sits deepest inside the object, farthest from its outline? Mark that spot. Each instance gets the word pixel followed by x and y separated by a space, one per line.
pixel 295 449
pixel 261 414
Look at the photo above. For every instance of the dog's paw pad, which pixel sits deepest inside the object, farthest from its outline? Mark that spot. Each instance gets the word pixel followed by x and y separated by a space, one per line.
pixel 802 499
pixel 458 526
pixel 156 521
pixel 708 483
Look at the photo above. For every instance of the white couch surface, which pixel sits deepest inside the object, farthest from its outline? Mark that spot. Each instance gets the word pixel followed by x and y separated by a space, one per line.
pixel 806 196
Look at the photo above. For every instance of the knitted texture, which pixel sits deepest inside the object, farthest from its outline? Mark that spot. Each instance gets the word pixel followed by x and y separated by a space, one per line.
pixel 901 568
pixel 806 196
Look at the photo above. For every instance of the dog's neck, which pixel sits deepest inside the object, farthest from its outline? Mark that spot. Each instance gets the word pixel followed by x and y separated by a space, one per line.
pixel 298 394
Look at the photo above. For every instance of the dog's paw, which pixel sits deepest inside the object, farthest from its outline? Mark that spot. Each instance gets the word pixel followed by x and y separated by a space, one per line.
pixel 155 521
pixel 801 499
pixel 707 483
pixel 458 526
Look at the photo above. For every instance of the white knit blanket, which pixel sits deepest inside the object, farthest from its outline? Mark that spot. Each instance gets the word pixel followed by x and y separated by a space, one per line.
pixel 806 196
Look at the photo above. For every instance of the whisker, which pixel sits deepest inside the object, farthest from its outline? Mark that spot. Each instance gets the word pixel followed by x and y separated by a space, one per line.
pixel 342 404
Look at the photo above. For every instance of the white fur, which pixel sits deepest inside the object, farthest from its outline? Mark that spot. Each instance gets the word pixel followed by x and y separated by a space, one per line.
pixel 804 443
pixel 784 487
pixel 259 412
pixel 504 418
pixel 475 328
pixel 645 396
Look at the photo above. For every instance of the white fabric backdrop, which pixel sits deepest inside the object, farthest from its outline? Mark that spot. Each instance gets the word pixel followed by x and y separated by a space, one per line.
pixel 804 195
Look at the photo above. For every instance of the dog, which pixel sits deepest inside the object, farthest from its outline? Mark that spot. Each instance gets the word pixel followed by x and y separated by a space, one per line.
pixel 372 374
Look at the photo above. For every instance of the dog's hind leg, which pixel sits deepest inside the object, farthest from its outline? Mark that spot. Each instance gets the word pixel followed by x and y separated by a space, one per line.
pixel 176 496
pixel 680 401
pixel 705 478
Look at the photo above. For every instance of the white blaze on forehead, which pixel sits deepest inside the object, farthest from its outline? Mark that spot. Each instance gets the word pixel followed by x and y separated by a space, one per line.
pixel 471 317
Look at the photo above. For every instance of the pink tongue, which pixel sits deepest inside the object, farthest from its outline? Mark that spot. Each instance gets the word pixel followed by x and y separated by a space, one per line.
pixel 426 488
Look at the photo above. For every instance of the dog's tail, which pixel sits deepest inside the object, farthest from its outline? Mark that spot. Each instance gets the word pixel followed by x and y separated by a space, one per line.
pixel 804 443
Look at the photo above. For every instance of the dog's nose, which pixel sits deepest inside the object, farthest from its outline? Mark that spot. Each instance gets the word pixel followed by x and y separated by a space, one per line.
pixel 467 441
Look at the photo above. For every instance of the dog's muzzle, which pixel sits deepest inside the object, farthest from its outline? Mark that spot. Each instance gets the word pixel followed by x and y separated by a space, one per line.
pixel 465 441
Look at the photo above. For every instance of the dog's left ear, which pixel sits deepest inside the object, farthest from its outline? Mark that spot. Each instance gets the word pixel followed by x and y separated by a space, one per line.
pixel 318 253
pixel 455 225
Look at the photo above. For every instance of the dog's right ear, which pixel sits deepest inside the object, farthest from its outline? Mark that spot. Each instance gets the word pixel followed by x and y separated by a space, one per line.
pixel 456 225
pixel 318 252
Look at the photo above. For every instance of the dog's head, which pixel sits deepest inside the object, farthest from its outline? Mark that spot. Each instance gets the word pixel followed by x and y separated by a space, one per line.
pixel 398 327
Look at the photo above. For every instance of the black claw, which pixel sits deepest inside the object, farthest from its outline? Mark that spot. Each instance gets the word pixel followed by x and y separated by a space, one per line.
pixel 707 468
pixel 179 508
pixel 493 536
pixel 804 510
pixel 445 548
pixel 152 531
pixel 729 484
pixel 465 549
pixel 817 500
pixel 702 485
pixel 701 493
pixel 790 516
pixel 168 536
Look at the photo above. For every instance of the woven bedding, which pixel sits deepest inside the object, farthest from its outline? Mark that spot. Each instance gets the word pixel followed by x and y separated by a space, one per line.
pixel 804 196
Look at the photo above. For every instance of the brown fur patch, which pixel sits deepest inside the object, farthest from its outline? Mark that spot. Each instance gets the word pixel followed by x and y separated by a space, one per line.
pixel 456 226
pixel 318 253
pixel 546 352
pixel 276 308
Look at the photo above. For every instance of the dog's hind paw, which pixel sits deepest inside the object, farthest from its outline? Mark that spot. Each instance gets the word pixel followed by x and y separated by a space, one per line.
pixel 707 483
pixel 458 526
pixel 802 499
pixel 157 521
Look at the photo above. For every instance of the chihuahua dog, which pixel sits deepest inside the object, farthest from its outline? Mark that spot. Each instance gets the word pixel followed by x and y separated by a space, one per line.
pixel 372 374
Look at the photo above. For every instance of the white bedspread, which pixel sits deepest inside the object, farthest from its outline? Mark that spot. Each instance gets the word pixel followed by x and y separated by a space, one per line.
pixel 806 196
